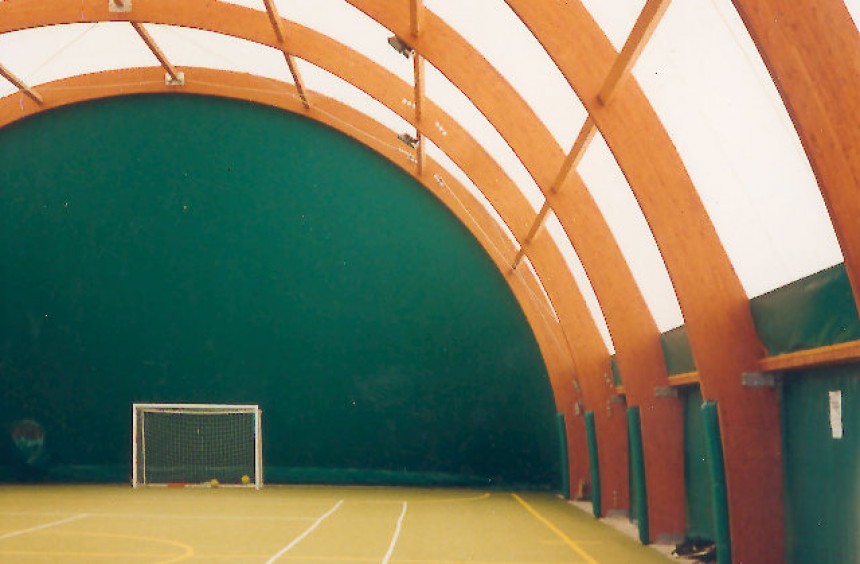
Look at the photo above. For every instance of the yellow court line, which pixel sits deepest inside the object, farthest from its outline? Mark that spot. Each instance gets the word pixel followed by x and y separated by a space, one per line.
pixel 187 550
pixel 558 532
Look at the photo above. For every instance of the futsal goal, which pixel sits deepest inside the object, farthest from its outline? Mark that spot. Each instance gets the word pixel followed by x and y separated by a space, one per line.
pixel 196 444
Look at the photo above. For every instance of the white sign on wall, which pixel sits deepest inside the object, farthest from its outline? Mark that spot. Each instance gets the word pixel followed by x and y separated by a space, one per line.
pixel 836 413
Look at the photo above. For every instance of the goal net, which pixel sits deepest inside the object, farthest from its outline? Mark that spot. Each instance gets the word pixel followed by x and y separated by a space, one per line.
pixel 196 444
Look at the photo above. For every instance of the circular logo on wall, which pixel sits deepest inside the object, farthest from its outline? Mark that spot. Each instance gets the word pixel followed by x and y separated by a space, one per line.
pixel 28 436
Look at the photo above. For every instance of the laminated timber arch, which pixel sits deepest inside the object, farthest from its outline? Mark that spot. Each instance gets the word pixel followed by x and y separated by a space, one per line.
pixel 820 98
pixel 812 139
pixel 715 307
pixel 578 213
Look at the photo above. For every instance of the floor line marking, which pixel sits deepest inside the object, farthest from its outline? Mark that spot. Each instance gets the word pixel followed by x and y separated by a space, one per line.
pixel 308 531
pixel 45 526
pixel 558 532
pixel 394 538
pixel 167 516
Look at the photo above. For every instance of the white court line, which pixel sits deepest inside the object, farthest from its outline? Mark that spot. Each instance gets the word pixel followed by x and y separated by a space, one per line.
pixel 397 530
pixel 207 517
pixel 45 526
pixel 302 536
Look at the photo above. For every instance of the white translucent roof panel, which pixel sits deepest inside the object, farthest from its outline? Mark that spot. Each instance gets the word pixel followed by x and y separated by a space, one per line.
pixel 45 54
pixel 556 231
pixel 615 200
pixel 322 81
pixel 615 17
pixel 192 47
pixel 451 168
pixel 351 27
pixel 705 79
pixel 519 58
pixel 6 88
pixel 440 90
pixel 854 10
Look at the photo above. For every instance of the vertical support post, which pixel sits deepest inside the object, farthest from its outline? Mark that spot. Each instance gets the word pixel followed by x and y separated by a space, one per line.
pixel 134 445
pixel 718 483
pixel 591 435
pixel 143 445
pixel 564 467
pixel 637 468
pixel 258 450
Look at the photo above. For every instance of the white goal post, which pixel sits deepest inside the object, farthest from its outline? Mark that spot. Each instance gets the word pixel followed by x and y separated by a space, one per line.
pixel 181 444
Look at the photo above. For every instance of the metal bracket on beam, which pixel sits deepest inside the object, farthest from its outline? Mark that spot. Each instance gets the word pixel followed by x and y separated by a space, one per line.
pixel 119 6
pixel 178 81
pixel 758 380
pixel 665 392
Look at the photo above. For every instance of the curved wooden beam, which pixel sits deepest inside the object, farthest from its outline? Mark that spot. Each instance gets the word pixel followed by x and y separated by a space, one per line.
pixel 716 309
pixel 542 157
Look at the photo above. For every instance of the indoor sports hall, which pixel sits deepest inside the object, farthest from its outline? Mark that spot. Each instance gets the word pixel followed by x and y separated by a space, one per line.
pixel 429 281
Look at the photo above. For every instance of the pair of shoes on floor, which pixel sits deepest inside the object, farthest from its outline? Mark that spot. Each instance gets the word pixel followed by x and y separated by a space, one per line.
pixel 697 549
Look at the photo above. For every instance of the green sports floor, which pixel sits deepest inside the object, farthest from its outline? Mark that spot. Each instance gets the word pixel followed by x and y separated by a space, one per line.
pixel 301 524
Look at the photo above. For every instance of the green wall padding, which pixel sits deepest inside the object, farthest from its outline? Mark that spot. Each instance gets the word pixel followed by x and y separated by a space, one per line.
pixel 822 474
pixel 564 460
pixel 677 351
pixel 717 473
pixel 697 482
pixel 616 372
pixel 167 248
pixel 593 463
pixel 814 311
pixel 639 494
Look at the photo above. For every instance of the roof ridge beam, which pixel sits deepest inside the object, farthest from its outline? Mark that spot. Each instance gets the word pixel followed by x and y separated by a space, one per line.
pixel 281 34
pixel 580 144
pixel 175 76
pixel 639 36
pixel 419 94
pixel 21 85
pixel 416 21
pixel 416 17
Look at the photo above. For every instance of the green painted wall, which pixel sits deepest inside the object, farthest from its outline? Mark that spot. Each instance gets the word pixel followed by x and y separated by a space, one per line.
pixel 697 481
pixel 822 474
pixel 201 250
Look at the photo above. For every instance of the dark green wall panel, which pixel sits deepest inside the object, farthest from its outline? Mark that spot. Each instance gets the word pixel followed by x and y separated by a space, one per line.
pixel 203 250
pixel 616 372
pixel 717 475
pixel 677 351
pixel 822 490
pixel 822 474
pixel 699 500
pixel 593 463
pixel 814 311
pixel 636 466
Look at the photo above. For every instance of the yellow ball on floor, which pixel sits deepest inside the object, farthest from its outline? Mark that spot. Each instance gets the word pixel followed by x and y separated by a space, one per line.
pixel 213 482
pixel 246 479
